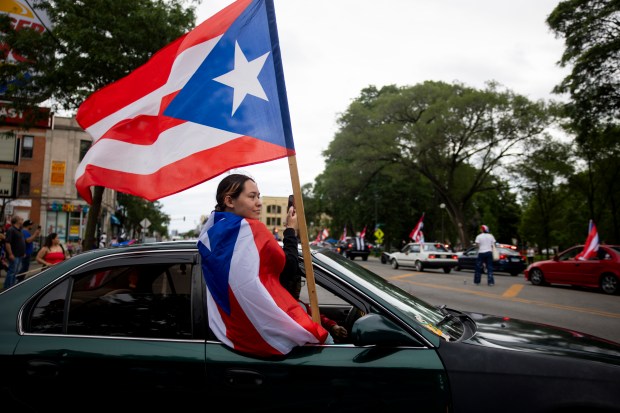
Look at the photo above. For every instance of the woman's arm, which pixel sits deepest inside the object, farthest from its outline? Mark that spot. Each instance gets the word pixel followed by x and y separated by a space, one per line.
pixel 41 254
pixel 289 245
pixel 291 266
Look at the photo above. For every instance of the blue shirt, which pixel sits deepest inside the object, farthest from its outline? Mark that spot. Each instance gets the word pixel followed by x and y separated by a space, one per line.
pixel 29 245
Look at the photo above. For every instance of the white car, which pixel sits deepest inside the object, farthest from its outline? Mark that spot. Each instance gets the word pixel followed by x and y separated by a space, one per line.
pixel 424 255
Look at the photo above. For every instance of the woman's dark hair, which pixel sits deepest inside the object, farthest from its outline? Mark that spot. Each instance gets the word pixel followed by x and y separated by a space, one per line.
pixel 231 186
pixel 49 239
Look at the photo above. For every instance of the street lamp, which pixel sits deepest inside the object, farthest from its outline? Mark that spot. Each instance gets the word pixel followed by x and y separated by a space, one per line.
pixel 442 206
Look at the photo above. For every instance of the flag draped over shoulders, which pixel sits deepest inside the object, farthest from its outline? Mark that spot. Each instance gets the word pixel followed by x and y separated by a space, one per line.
pixel 210 101
pixel 249 310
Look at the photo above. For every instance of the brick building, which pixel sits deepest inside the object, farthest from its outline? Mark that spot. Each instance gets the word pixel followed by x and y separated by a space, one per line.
pixel 42 185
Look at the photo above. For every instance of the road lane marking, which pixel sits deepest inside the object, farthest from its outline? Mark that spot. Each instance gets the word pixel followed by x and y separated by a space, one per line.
pixel 482 292
pixel 513 291
pixel 398 277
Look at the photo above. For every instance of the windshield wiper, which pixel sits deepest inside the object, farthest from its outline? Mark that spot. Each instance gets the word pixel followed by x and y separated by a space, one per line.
pixel 448 316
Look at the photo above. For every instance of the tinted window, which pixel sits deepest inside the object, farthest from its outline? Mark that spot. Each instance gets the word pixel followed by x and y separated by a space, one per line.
pixel 131 301
pixel 84 147
pixel 47 315
pixel 23 187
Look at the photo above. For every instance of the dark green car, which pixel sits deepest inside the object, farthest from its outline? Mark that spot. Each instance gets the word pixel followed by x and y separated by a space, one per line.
pixel 126 328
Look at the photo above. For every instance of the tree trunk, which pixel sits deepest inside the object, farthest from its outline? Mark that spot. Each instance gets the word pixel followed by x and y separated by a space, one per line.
pixel 89 241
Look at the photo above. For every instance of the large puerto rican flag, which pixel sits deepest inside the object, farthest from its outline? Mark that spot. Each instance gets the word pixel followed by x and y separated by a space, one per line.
pixel 248 308
pixel 210 101
pixel 590 249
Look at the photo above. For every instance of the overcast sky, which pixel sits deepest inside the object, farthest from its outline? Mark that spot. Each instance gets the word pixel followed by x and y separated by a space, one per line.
pixel 332 49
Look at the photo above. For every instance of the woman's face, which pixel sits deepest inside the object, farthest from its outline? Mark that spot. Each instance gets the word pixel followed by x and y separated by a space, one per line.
pixel 248 204
pixel 55 240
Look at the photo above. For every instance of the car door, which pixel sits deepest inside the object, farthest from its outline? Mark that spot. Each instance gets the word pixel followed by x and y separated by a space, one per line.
pixel 468 259
pixel 569 270
pixel 340 377
pixel 580 272
pixel 402 256
pixel 412 255
pixel 90 340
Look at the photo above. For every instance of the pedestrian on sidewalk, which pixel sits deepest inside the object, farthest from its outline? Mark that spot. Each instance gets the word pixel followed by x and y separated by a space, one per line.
pixel 15 245
pixel 52 252
pixel 29 238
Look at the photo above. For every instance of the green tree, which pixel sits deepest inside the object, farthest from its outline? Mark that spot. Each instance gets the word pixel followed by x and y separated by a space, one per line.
pixel 447 137
pixel 135 209
pixel 547 165
pixel 92 44
pixel 591 32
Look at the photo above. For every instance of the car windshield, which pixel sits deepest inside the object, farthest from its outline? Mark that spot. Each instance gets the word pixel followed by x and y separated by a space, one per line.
pixel 417 311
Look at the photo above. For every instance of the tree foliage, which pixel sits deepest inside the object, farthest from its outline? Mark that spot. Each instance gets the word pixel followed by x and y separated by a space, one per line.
pixel 447 137
pixel 91 44
pixel 134 209
pixel 546 167
pixel 591 31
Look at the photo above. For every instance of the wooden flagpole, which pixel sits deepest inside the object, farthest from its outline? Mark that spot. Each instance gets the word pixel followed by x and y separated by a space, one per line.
pixel 303 235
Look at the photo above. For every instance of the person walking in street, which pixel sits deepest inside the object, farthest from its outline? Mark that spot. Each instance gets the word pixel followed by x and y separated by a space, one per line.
pixel 15 245
pixel 485 241
pixel 29 237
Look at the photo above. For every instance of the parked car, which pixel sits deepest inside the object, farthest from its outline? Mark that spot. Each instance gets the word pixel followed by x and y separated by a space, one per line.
pixel 510 260
pixel 128 326
pixel 323 245
pixel 424 255
pixel 601 272
pixel 353 247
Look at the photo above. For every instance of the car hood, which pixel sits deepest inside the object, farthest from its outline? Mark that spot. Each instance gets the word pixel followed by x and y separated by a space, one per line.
pixel 515 334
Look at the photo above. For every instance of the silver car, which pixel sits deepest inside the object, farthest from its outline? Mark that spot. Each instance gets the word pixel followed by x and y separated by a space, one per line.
pixel 424 255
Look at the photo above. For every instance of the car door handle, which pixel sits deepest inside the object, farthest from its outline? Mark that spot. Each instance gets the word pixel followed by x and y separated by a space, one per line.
pixel 42 368
pixel 244 378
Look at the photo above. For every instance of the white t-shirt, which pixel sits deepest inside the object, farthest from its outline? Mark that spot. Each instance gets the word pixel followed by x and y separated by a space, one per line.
pixel 485 242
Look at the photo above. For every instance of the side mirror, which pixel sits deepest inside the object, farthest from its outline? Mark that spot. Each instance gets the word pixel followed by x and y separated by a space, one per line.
pixel 375 329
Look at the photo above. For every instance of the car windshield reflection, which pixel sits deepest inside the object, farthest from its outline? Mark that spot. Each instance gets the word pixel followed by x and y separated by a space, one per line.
pixel 414 309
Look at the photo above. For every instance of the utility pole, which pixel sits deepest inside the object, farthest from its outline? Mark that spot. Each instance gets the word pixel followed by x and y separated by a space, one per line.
pixel 443 207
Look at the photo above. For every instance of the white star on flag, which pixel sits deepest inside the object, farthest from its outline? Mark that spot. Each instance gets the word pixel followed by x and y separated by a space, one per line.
pixel 244 78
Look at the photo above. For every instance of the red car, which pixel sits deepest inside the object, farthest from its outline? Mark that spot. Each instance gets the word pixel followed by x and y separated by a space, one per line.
pixel 602 272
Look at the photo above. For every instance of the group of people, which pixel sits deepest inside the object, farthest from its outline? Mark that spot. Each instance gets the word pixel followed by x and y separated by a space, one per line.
pixel 18 248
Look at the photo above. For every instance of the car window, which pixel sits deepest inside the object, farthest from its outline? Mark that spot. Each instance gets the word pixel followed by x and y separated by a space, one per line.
pixel 415 248
pixel 326 297
pixel 569 255
pixel 615 248
pixel 435 248
pixel 151 301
